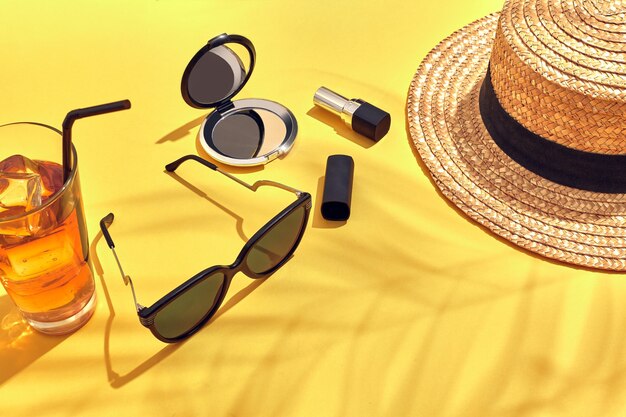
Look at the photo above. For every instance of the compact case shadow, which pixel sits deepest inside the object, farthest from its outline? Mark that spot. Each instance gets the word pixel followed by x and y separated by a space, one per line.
pixel 243 132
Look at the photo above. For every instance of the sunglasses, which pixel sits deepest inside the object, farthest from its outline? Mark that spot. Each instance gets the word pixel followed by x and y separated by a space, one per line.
pixel 184 310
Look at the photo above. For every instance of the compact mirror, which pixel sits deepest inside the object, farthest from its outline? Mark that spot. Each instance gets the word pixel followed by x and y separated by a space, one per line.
pixel 243 132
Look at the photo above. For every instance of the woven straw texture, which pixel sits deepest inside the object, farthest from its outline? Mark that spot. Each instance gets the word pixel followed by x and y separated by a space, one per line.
pixel 559 222
pixel 550 77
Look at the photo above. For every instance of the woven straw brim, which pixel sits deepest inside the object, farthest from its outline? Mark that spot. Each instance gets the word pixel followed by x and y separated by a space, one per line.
pixel 566 224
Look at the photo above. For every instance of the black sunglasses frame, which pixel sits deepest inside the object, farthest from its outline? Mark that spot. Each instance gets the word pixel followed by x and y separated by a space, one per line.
pixel 147 315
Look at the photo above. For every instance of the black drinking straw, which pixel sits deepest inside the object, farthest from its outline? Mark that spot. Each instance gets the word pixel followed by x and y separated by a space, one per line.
pixel 79 114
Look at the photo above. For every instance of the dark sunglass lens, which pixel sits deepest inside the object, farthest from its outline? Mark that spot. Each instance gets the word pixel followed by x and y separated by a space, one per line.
pixel 188 309
pixel 276 244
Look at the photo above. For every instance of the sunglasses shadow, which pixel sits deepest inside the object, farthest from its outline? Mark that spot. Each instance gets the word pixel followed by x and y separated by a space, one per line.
pixel 116 380
pixel 238 219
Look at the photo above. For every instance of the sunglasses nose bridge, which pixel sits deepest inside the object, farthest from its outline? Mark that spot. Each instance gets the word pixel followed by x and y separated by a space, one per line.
pixel 240 266
pixel 237 266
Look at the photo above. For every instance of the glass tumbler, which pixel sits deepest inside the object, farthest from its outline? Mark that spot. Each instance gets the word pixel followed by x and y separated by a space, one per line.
pixel 44 248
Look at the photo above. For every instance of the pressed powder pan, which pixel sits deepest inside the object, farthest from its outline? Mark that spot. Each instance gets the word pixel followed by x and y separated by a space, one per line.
pixel 244 132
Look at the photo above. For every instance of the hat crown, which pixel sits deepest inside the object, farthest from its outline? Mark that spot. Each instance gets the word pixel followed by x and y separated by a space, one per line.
pixel 559 68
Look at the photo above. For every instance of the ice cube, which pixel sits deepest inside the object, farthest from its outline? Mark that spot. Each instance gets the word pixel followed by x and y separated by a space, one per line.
pixel 19 192
pixel 51 178
pixel 21 185
pixel 24 185
pixel 18 164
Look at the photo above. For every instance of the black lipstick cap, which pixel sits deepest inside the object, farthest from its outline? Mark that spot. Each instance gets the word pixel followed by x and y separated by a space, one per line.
pixel 370 121
pixel 338 187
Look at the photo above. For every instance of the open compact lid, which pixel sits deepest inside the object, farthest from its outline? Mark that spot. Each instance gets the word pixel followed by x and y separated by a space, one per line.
pixel 242 132
pixel 216 73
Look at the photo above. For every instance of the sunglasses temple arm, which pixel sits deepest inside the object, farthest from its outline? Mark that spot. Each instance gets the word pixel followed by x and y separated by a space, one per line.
pixel 104 226
pixel 171 167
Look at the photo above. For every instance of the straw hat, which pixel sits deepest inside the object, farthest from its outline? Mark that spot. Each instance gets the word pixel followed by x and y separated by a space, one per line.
pixel 521 119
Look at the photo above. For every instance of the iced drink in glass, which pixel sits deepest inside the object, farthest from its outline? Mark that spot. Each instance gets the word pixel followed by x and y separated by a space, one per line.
pixel 44 249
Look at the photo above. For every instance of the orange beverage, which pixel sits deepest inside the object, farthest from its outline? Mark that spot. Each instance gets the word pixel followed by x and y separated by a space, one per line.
pixel 44 249
pixel 47 274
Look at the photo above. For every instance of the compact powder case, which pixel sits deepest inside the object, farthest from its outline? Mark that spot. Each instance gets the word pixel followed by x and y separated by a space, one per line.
pixel 243 132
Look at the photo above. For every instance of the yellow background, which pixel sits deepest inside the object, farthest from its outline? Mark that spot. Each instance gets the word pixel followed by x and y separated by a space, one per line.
pixel 408 309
